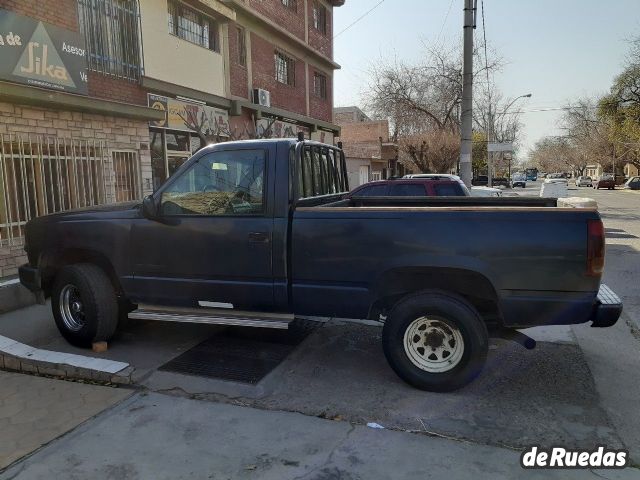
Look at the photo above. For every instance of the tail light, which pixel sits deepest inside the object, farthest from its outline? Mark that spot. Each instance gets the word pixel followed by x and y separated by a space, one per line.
pixel 595 248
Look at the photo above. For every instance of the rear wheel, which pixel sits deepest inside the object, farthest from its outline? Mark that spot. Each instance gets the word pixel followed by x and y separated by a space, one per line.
pixel 435 341
pixel 84 304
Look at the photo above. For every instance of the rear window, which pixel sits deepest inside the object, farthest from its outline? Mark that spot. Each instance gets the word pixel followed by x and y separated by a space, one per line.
pixel 408 190
pixel 448 190
pixel 372 191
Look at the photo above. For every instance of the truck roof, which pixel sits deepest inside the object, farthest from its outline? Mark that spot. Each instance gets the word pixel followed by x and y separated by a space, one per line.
pixel 287 141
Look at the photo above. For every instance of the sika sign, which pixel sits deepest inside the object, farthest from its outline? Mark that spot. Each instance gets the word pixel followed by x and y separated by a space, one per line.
pixel 41 55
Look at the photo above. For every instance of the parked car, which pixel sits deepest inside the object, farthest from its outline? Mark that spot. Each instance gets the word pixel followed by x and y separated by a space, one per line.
pixel 583 181
pixel 633 183
pixel 606 180
pixel 485 192
pixel 432 186
pixel 519 181
pixel 262 228
pixel 483 181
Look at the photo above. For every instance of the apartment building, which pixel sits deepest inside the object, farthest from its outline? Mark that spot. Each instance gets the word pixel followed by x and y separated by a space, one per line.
pixel 102 100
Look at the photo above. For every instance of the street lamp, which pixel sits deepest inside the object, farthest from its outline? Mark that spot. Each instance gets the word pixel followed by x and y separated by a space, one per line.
pixel 490 135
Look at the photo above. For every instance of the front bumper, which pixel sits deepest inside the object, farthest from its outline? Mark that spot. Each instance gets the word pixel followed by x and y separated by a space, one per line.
pixel 30 277
pixel 607 308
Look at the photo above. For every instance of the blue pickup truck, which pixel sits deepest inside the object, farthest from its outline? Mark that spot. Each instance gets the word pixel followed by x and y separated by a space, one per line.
pixel 255 232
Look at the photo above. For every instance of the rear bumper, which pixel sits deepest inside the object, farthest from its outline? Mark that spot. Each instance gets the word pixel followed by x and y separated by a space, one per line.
pixel 607 308
pixel 30 277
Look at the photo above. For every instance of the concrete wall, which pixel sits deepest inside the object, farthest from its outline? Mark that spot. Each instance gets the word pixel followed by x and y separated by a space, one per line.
pixel 353 171
pixel 174 60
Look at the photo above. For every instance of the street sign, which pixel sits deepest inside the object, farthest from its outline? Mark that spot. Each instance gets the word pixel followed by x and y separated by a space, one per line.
pixel 42 55
pixel 500 147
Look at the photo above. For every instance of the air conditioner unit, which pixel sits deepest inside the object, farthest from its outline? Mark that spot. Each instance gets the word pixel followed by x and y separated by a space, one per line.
pixel 262 97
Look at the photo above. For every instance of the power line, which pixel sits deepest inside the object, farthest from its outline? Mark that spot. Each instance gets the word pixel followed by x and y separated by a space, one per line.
pixel 550 109
pixel 444 22
pixel 359 18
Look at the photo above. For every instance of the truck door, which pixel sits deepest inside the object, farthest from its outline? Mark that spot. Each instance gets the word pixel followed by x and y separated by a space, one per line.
pixel 212 242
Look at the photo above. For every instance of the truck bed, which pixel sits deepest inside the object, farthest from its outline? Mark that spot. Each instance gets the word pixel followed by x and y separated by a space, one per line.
pixel 332 201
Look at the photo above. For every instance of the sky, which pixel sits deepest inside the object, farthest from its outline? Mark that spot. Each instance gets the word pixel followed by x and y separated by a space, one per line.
pixel 557 50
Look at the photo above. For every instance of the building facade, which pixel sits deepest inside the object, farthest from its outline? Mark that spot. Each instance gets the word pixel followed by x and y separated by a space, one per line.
pixel 101 100
pixel 369 153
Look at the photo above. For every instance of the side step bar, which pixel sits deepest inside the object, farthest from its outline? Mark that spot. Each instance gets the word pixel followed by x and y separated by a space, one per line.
pixel 212 316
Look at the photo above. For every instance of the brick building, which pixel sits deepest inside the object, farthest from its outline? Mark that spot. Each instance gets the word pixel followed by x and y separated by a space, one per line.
pixel 101 100
pixel 369 153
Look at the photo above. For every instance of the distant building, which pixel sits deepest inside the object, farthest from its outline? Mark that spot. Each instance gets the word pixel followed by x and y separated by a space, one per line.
pixel 369 153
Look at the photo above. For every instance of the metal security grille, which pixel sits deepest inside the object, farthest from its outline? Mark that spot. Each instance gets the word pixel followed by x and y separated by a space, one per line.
pixel 41 175
pixel 193 26
pixel 127 175
pixel 111 29
pixel 285 69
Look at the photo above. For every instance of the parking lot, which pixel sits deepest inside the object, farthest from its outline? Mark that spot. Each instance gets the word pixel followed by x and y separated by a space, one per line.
pixel 578 388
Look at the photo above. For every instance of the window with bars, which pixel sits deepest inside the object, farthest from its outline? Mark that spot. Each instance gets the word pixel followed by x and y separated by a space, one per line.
pixel 285 69
pixel 112 36
pixel 320 85
pixel 242 46
pixel 290 4
pixel 319 17
pixel 193 26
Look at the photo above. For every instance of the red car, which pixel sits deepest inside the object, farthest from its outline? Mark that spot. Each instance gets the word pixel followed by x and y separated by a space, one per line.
pixel 432 186
pixel 605 181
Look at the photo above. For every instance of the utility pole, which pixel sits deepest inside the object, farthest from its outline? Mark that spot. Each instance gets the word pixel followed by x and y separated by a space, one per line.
pixel 466 128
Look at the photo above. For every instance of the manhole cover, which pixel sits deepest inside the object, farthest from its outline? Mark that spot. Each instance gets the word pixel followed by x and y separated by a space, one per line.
pixel 244 355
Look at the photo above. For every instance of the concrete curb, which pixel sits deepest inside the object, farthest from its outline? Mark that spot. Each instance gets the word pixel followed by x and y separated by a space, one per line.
pixel 19 357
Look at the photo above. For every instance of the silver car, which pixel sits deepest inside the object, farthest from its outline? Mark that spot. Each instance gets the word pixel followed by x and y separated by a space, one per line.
pixel 584 182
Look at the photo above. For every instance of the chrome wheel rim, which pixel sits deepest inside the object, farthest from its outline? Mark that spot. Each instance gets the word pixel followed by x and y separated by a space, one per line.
pixel 433 344
pixel 71 308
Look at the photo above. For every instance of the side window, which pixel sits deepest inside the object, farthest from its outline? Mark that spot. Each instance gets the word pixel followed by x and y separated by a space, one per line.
pixel 221 183
pixel 408 190
pixel 372 191
pixel 448 190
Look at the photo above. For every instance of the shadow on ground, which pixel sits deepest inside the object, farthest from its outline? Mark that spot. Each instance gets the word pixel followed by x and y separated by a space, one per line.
pixel 523 397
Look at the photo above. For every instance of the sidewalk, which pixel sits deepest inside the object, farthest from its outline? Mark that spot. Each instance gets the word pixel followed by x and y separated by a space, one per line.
pixel 163 437
pixel 36 410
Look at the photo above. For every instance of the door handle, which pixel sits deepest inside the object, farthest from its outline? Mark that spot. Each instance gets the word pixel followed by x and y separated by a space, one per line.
pixel 258 237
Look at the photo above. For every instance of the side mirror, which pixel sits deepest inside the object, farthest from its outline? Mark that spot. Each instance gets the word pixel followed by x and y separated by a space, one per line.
pixel 149 207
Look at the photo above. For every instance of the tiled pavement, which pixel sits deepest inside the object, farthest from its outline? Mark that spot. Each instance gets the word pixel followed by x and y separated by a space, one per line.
pixel 35 410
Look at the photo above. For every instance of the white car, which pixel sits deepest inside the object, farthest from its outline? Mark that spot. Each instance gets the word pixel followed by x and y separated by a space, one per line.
pixel 584 182
pixel 485 192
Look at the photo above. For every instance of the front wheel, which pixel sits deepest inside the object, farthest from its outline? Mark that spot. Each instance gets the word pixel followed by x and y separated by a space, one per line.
pixel 435 341
pixel 84 304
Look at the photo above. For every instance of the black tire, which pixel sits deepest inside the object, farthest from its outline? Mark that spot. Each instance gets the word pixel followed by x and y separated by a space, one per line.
pixel 97 317
pixel 453 311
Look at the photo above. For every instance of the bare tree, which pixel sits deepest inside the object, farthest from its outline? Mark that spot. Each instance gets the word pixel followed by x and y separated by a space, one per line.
pixel 424 96
pixel 430 152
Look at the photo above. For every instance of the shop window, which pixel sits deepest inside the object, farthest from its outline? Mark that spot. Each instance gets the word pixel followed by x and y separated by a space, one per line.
pixel 193 26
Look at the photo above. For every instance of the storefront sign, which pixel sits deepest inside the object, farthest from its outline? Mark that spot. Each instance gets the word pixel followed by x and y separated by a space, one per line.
pixel 42 55
pixel 187 116
pixel 270 128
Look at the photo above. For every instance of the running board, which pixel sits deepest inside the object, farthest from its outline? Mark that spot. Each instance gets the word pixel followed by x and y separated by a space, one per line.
pixel 212 316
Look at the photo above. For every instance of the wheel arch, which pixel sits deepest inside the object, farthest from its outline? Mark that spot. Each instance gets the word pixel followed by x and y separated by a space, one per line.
pixel 52 262
pixel 472 285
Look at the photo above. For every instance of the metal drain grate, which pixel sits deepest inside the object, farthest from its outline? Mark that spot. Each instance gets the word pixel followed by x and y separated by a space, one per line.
pixel 241 354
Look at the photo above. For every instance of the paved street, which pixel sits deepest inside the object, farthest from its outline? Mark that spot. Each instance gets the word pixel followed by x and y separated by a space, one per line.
pixel 308 417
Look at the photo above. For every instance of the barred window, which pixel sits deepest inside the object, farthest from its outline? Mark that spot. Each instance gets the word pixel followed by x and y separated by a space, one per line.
pixel 319 17
pixel 242 46
pixel 291 4
pixel 112 36
pixel 285 69
pixel 193 26
pixel 319 85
